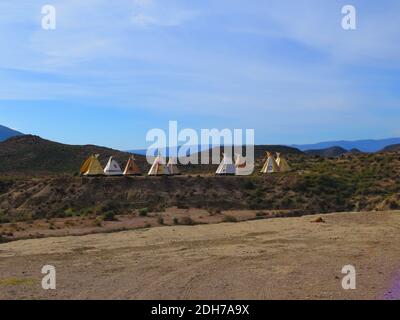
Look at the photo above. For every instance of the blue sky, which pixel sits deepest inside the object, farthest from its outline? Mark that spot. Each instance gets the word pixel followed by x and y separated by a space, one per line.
pixel 112 70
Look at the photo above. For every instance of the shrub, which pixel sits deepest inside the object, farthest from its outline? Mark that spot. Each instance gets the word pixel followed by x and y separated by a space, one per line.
pixel 68 213
pixel 98 222
pixel 187 221
pixel 143 212
pixel 109 216
pixel 229 219
pixel 261 214
pixel 175 220
pixel 249 185
pixel 160 220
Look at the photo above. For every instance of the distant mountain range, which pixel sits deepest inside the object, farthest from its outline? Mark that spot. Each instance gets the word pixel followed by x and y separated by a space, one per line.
pixel 327 148
pixel 6 133
pixel 328 152
pixel 362 145
pixel 169 151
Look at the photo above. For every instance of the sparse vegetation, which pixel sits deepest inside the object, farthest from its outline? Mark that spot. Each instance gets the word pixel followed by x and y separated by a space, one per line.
pixel 186 221
pixel 160 220
pixel 109 216
pixel 316 185
pixel 143 212
pixel 228 218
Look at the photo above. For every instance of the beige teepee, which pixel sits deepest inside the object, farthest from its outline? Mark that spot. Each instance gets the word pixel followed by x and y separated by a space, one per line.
pixel 159 168
pixel 227 167
pixel 172 167
pixel 282 163
pixel 131 168
pixel 270 166
pixel 243 166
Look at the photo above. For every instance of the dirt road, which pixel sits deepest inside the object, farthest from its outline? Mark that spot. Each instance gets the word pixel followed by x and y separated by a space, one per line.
pixel 292 258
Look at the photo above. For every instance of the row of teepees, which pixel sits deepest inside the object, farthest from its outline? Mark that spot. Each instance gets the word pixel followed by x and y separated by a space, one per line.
pixel 271 165
pixel 92 167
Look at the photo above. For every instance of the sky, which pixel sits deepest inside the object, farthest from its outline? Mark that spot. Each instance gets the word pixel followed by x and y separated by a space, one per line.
pixel 113 70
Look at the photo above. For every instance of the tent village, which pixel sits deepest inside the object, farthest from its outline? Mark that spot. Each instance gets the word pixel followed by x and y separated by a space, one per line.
pixel 228 167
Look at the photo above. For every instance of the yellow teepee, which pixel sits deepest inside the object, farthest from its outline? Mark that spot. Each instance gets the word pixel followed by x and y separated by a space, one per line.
pixel 92 167
pixel 270 166
pixel 282 163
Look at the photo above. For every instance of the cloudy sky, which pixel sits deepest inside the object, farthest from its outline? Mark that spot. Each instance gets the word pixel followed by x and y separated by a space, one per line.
pixel 112 70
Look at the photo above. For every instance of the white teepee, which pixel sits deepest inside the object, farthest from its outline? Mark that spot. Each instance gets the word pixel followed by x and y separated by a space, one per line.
pixel 282 163
pixel 159 168
pixel 243 168
pixel 226 167
pixel 112 168
pixel 172 167
pixel 270 166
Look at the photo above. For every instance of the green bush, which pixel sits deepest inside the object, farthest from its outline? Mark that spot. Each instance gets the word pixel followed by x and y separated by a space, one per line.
pixel 143 212
pixel 109 216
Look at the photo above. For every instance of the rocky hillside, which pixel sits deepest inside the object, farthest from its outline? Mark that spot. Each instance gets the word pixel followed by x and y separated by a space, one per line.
pixel 32 155
pixel 36 156
pixel 392 148
pixel 352 182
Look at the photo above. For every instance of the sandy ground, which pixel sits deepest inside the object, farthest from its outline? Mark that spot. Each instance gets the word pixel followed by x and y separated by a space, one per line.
pixel 84 225
pixel 290 258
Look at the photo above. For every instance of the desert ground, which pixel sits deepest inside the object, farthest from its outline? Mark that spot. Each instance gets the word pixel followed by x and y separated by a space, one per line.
pixel 281 258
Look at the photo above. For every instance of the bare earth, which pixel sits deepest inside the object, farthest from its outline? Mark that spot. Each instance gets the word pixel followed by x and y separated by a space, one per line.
pixel 291 258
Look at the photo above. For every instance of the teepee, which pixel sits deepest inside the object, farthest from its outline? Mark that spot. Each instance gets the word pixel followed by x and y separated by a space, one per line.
pixel 92 167
pixel 172 167
pixel 159 168
pixel 112 168
pixel 131 168
pixel 226 167
pixel 270 166
pixel 241 166
pixel 282 163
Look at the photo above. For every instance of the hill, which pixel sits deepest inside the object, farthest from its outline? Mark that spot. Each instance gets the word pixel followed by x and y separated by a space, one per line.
pixel 6 133
pixel 363 145
pixel 316 185
pixel 29 154
pixel 33 155
pixel 259 150
pixel 391 148
pixel 328 152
